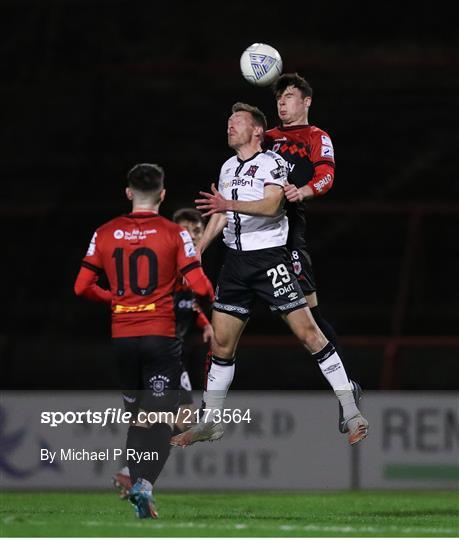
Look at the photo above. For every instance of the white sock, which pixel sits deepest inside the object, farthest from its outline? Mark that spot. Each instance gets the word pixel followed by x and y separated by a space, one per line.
pixel 219 380
pixel 333 370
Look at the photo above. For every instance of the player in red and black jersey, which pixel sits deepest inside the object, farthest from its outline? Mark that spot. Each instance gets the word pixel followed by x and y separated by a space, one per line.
pixel 143 255
pixel 309 153
pixel 187 314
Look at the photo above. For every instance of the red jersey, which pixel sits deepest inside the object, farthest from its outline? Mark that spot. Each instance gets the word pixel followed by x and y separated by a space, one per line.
pixel 142 255
pixel 309 153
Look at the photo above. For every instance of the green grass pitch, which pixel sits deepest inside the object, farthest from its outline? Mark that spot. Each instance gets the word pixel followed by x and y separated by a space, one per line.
pixel 364 514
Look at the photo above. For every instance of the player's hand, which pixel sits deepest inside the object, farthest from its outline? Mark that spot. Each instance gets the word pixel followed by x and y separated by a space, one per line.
pixel 207 333
pixel 213 203
pixel 292 193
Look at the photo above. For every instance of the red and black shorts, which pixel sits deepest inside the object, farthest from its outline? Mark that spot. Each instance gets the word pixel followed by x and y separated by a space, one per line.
pixel 302 268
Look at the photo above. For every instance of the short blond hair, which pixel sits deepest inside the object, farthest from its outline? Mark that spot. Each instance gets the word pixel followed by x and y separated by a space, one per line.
pixel 258 116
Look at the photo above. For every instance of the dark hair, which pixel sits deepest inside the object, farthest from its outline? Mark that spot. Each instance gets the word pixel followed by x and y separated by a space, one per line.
pixel 188 214
pixel 146 177
pixel 292 79
pixel 258 116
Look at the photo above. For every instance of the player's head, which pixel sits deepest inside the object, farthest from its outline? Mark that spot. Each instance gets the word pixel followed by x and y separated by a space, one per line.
pixel 191 220
pixel 246 125
pixel 294 95
pixel 145 184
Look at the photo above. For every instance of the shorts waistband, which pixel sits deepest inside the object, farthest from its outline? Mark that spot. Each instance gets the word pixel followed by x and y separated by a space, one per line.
pixel 242 252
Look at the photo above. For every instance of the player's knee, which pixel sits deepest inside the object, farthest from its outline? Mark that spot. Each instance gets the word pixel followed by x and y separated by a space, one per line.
pixel 222 346
pixel 311 336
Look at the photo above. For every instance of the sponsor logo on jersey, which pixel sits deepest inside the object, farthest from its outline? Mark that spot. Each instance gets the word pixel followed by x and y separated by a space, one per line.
pixel 280 171
pixel 326 140
pixel 185 236
pixel 92 246
pixel 293 296
pixel 190 250
pixel 186 304
pixel 188 246
pixel 119 308
pixel 327 151
pixel 319 186
pixel 135 234
pixel 236 182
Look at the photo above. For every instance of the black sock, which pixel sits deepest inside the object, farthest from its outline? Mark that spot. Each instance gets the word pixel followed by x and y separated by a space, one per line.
pixel 327 329
pixel 153 439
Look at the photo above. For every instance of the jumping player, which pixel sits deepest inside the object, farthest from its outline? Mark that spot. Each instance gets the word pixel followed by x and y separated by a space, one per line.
pixel 248 208
pixel 309 153
pixel 143 255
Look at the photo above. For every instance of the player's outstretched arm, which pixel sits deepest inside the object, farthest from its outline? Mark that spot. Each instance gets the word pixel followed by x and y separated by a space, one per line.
pixel 214 227
pixel 86 286
pixel 269 206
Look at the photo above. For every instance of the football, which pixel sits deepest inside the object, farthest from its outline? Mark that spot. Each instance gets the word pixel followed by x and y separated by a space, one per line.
pixel 261 64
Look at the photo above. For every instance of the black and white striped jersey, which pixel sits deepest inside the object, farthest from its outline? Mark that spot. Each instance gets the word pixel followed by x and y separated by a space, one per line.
pixel 245 181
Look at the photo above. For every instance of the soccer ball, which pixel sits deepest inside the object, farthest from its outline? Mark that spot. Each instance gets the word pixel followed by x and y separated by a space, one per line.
pixel 261 64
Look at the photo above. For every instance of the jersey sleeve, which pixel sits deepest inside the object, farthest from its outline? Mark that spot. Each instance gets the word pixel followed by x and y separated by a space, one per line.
pixel 323 161
pixel 277 172
pixel 186 252
pixel 91 268
pixel 201 320
pixel 93 258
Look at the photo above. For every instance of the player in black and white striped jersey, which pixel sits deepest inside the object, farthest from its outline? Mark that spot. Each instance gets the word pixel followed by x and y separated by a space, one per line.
pixel 246 180
pixel 248 208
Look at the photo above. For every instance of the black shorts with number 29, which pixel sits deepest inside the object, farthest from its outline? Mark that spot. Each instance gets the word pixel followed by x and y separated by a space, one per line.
pixel 263 273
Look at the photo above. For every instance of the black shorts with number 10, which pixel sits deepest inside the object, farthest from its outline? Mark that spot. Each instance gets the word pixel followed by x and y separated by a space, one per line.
pixel 263 273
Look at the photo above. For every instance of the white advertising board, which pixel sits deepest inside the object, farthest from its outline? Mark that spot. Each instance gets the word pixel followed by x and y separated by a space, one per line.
pixel 291 443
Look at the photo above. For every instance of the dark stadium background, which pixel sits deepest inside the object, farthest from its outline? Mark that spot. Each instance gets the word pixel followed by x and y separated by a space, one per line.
pixel 90 88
